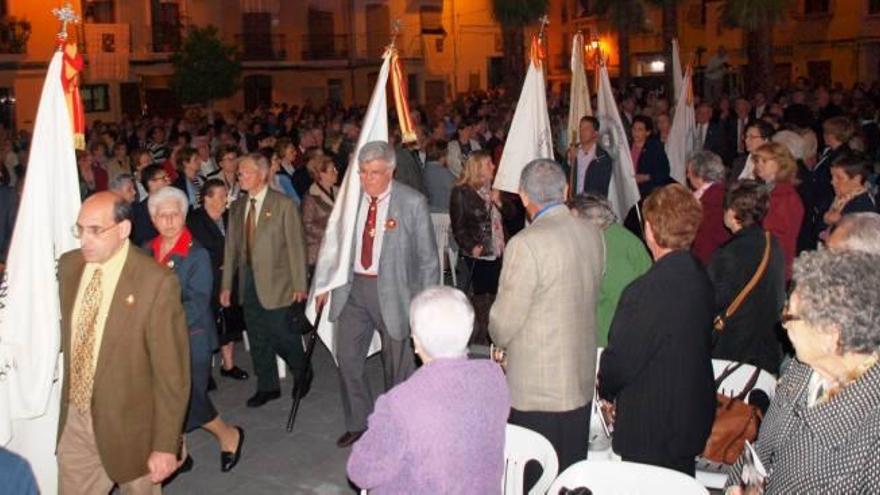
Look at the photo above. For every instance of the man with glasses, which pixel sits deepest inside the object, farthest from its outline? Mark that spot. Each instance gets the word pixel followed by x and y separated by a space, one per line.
pixel 153 178
pixel 122 405
pixel 266 249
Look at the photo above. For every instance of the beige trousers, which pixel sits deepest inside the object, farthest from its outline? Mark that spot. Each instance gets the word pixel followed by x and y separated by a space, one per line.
pixel 79 467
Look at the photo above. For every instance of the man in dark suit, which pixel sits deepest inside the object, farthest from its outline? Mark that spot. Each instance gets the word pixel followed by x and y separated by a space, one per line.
pixel 122 405
pixel 736 128
pixel 589 165
pixel 709 134
pixel 265 247
pixel 153 178
pixel 395 258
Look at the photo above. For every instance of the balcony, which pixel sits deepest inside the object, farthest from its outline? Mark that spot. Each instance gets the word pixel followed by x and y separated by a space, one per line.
pixel 315 47
pixel 262 46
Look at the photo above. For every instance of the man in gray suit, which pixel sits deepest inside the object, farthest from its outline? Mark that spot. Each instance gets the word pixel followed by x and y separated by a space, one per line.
pixel 545 315
pixel 265 248
pixel 394 258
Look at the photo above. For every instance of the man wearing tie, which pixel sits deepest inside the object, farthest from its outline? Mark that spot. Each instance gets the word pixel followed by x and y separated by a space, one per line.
pixel 740 120
pixel 394 258
pixel 126 359
pixel 708 132
pixel 265 247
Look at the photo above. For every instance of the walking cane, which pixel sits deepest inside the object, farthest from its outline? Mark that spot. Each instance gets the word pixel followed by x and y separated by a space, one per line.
pixel 303 377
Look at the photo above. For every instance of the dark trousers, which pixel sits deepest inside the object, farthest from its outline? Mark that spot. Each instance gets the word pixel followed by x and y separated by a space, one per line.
pixel 360 316
pixel 271 332
pixel 201 408
pixel 568 432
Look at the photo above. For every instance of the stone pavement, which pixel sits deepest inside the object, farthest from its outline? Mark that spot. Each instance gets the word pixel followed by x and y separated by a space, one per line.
pixel 273 461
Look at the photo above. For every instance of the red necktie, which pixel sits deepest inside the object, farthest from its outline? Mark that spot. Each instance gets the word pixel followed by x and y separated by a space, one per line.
pixel 369 234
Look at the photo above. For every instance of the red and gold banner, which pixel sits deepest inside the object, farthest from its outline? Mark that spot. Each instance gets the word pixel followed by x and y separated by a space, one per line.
pixel 70 79
pixel 536 51
pixel 401 101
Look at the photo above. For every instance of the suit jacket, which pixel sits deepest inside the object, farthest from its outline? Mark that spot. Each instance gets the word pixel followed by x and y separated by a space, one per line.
pixel 654 162
pixel 657 364
pixel 545 312
pixel 817 194
pixel 716 140
pixel 749 335
pixel 408 169
pixel 408 262
pixel 455 158
pixel 712 233
pixel 598 175
pixel 8 210
pixel 142 377
pixel 279 257
pixel 142 228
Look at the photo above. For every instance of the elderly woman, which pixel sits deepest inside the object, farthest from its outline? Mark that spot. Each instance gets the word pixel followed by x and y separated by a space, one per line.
pixel 821 432
pixel 705 174
pixel 656 368
pixel 175 248
pixel 775 166
pixel 749 334
pixel 442 430
pixel 318 204
pixel 475 215
pixel 625 257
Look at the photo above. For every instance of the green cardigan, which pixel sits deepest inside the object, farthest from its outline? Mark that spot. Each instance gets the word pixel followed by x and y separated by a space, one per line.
pixel 626 259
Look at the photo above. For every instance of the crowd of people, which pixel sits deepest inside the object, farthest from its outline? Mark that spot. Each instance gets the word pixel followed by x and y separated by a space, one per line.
pixel 766 256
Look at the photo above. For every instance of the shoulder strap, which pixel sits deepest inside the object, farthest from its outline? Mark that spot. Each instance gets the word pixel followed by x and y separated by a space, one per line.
pixel 728 370
pixel 744 293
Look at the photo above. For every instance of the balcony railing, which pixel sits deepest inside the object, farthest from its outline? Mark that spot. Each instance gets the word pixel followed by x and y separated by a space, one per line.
pixel 262 46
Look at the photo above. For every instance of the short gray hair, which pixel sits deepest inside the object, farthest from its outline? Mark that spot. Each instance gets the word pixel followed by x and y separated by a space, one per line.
pixel 378 150
pixel 859 232
pixel 118 182
pixel 167 193
pixel 707 166
pixel 594 208
pixel 543 181
pixel 442 319
pixel 261 162
pixel 837 290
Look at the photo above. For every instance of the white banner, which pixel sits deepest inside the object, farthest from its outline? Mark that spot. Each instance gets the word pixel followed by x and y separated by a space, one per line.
pixel 623 192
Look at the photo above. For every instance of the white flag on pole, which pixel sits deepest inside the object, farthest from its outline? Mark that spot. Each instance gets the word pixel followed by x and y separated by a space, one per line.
pixel 30 334
pixel 334 265
pixel 680 141
pixel 677 77
pixel 623 192
pixel 530 136
pixel 579 103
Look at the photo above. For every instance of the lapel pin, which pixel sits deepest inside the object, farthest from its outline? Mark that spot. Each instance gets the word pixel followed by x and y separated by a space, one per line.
pixel 170 264
pixel 129 300
pixel 390 224
pixel 268 214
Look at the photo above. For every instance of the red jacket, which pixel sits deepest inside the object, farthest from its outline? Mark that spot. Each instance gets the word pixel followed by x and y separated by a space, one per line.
pixel 712 232
pixel 784 220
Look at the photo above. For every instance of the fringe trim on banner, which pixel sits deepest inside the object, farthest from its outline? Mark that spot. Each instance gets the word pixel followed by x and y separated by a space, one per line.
pixel 70 76
pixel 401 102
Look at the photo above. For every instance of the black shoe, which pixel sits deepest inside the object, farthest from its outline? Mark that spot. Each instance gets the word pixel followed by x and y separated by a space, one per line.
pixel 302 390
pixel 228 460
pixel 261 398
pixel 212 385
pixel 184 468
pixel 348 438
pixel 235 373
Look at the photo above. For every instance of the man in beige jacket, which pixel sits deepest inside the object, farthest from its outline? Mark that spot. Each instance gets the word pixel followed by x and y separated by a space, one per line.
pixel 545 315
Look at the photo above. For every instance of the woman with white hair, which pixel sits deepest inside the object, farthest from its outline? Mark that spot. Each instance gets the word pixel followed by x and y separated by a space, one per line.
pixel 176 249
pixel 442 430
pixel 821 432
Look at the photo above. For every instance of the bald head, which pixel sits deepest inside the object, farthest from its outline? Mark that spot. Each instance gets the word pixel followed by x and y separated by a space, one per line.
pixel 103 226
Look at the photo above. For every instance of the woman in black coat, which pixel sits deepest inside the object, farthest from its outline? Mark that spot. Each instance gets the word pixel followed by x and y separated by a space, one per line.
pixel 208 226
pixel 749 335
pixel 649 157
pixel 656 369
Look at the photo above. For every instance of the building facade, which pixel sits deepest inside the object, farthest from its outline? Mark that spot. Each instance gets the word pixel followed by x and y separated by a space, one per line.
pixel 291 50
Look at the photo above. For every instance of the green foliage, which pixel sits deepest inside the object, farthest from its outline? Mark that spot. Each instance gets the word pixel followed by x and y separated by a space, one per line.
pixel 754 15
pixel 518 13
pixel 205 69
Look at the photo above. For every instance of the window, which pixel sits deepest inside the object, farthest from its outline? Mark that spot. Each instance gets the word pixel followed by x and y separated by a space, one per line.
pixel 816 7
pixel 95 97
pixel 874 7
pixel 431 17
pixel 100 12
pixel 166 26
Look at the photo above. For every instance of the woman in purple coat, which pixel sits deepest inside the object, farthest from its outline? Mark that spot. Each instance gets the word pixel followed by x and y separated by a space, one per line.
pixel 442 430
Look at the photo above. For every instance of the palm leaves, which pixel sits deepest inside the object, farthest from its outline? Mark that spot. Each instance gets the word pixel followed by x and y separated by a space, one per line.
pixel 626 17
pixel 757 19
pixel 514 15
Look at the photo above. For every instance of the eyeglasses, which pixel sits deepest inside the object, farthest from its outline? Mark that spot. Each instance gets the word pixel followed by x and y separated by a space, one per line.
pixel 372 174
pixel 754 136
pixel 163 178
pixel 91 230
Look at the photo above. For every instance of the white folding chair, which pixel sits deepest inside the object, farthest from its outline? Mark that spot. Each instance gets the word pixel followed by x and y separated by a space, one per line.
pixel 712 474
pixel 444 246
pixel 629 478
pixel 522 445
pixel 599 445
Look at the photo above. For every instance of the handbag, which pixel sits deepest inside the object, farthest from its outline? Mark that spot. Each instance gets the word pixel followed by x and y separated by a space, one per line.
pixel 735 421
pixel 721 320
